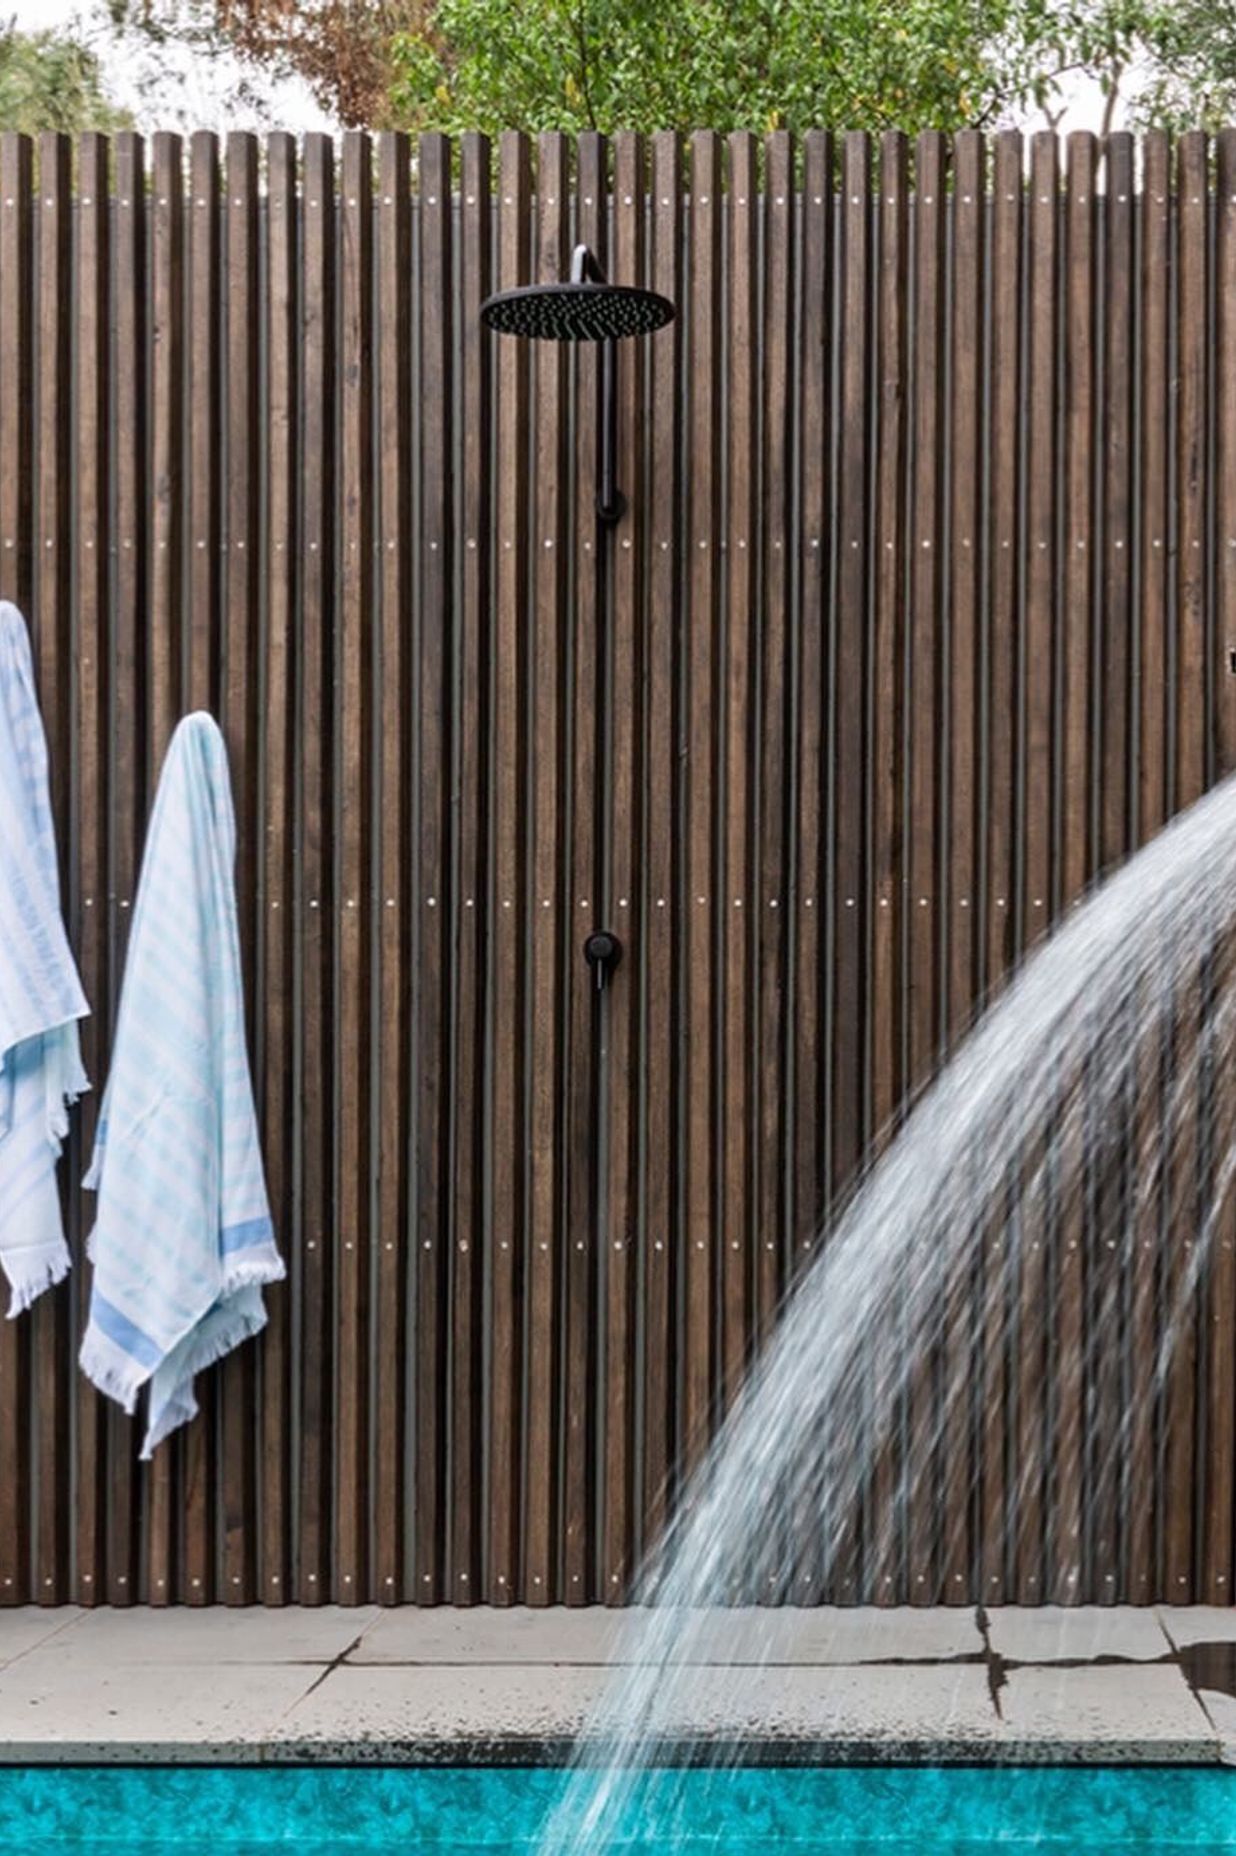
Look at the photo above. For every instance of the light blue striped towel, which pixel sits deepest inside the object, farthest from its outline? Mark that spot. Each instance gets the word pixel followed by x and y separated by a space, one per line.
pixel 183 1239
pixel 41 997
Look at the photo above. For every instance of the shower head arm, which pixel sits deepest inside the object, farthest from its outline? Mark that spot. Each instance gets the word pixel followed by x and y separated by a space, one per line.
pixel 610 500
pixel 584 267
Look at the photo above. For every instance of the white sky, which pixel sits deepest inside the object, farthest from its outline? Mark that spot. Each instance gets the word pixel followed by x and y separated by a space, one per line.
pixel 181 91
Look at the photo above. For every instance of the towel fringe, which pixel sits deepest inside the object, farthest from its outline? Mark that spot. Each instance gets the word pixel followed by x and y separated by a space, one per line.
pixel 251 1273
pixel 58 1116
pixel 45 1277
pixel 101 1372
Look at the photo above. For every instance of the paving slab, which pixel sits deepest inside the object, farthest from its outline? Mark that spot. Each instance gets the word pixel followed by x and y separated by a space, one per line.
pixel 370 1709
pixel 873 1634
pixel 51 1706
pixel 824 1636
pixel 876 1704
pixel 794 1685
pixel 1082 1633
pixel 361 1706
pixel 595 1635
pixel 1189 1624
pixel 587 1636
pixel 215 1634
pixel 1106 1713
pixel 25 1627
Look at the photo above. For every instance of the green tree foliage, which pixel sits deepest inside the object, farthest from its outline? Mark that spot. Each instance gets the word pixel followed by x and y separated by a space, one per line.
pixel 723 64
pixel 48 80
pixel 1169 63
pixel 1190 49
pixel 719 64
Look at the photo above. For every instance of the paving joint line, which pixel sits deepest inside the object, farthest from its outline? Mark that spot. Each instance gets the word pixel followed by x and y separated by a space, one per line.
pixel 1161 1621
pixel 995 1663
pixel 57 1630
pixel 328 1669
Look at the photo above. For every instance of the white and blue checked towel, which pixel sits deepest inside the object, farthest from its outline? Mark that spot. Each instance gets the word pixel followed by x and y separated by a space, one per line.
pixel 183 1239
pixel 41 998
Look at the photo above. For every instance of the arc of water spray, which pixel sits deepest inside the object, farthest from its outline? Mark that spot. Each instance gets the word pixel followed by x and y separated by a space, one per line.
pixel 1038 1093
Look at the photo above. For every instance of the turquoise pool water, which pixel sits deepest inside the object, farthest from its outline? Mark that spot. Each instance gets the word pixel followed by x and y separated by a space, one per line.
pixel 872 1811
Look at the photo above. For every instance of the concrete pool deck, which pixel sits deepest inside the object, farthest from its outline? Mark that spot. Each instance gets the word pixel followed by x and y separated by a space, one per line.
pixel 450 1687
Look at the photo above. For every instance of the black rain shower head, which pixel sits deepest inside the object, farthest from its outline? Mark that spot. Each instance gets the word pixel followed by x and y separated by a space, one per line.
pixel 588 308
pixel 577 312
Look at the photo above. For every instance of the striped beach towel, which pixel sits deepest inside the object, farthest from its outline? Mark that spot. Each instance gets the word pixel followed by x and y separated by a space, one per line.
pixel 41 997
pixel 183 1240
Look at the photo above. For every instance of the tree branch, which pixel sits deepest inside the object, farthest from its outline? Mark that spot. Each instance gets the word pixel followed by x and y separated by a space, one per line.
pixel 1109 106
pixel 581 40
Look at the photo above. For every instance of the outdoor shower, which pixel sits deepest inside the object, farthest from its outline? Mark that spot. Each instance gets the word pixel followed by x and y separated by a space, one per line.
pixel 587 309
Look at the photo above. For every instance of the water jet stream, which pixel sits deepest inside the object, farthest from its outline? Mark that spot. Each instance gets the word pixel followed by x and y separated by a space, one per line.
pixel 1072 1107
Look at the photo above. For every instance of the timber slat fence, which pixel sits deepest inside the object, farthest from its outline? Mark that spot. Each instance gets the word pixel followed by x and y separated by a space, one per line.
pixel 922 614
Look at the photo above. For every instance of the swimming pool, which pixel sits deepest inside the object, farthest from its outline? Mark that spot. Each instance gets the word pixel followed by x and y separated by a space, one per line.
pixel 836 1811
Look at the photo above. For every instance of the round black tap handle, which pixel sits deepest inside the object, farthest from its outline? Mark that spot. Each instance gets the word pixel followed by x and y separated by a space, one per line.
pixel 602 951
